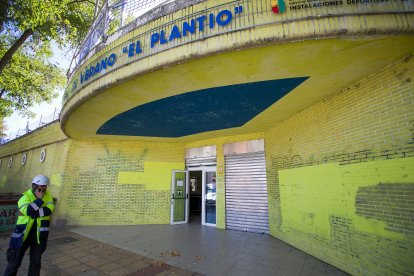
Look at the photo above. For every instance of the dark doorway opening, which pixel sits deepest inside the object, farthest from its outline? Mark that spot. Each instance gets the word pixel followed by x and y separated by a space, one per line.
pixel 196 191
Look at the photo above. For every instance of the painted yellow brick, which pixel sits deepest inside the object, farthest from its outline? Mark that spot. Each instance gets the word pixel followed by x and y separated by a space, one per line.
pixel 373 116
pixel 153 176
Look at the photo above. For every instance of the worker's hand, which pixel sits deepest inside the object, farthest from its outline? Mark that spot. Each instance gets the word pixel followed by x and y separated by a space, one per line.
pixel 39 193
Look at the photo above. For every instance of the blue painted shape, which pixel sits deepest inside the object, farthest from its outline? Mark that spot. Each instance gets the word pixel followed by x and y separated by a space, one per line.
pixel 200 111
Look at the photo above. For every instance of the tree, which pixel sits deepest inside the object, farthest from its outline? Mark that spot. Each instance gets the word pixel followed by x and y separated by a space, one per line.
pixel 27 76
pixel 3 129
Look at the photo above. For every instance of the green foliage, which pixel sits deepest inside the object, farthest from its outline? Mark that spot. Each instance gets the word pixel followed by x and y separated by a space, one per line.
pixel 66 21
pixel 3 128
pixel 31 79
pixel 28 76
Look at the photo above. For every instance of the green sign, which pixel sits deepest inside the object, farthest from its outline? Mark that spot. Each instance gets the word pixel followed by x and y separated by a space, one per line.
pixel 8 216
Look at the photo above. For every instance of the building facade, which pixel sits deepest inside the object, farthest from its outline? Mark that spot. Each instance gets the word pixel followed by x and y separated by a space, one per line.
pixel 290 118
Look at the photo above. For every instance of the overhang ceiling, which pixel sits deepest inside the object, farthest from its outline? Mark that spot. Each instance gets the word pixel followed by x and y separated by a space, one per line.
pixel 236 92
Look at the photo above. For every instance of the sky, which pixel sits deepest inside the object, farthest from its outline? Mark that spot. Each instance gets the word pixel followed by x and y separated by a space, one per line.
pixel 15 122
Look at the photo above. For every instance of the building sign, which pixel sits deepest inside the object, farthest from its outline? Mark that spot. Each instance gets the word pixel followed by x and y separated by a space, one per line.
pixel 99 67
pixel 157 39
pixel 198 24
pixel 312 4
pixel 187 28
pixel 232 16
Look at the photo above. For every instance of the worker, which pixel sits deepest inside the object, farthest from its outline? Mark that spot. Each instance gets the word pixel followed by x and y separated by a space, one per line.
pixel 32 227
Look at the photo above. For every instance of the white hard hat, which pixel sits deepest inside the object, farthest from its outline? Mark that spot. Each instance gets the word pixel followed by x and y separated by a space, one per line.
pixel 41 180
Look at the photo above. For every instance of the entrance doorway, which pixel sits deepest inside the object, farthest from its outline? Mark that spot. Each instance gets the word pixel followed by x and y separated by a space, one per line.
pixel 194 196
pixel 202 189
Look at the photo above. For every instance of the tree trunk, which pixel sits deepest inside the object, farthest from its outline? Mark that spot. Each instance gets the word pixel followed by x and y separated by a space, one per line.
pixel 4 5
pixel 19 42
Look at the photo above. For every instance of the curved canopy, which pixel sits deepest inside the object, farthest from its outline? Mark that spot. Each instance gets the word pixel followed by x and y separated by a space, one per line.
pixel 234 92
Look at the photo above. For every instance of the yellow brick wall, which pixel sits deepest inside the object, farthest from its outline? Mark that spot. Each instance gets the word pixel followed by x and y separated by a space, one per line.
pixel 107 182
pixel 341 175
pixel 119 182
pixel 40 137
pixel 17 178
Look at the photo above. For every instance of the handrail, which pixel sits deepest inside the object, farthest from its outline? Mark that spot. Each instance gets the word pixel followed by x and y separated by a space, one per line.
pixel 113 15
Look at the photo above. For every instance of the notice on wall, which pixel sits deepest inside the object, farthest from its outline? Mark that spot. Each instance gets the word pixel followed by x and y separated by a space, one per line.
pixel 8 216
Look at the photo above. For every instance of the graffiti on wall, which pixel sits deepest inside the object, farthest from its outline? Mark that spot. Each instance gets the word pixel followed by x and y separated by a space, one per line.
pixel 8 217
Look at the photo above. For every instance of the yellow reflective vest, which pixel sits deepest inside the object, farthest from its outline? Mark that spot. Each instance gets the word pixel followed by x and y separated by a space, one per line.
pixel 26 222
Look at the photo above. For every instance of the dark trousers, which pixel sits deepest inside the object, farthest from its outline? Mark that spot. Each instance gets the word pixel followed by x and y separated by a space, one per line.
pixel 15 256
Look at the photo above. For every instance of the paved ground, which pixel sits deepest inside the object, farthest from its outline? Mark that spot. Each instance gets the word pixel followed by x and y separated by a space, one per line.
pixel 188 249
pixel 69 253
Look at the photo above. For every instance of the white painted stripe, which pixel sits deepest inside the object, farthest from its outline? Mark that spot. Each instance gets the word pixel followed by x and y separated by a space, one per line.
pixel 34 206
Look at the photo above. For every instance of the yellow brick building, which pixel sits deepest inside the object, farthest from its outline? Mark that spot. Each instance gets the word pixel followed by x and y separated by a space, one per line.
pixel 292 118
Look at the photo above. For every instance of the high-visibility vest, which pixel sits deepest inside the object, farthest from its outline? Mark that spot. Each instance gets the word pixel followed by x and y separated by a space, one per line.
pixel 43 222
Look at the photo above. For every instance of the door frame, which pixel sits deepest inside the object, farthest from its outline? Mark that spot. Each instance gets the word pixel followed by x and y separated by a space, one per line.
pixel 203 202
pixel 204 170
pixel 172 222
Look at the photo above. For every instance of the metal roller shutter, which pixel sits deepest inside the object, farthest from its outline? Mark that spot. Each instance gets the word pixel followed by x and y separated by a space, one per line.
pixel 203 156
pixel 246 193
pixel 203 161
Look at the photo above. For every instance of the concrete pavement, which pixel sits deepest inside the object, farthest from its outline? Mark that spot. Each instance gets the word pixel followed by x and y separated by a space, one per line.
pixel 187 249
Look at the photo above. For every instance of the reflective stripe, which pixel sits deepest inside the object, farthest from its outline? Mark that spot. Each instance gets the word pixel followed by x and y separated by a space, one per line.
pixel 50 203
pixel 43 229
pixel 24 205
pixel 34 206
pixel 41 212
pixel 17 235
